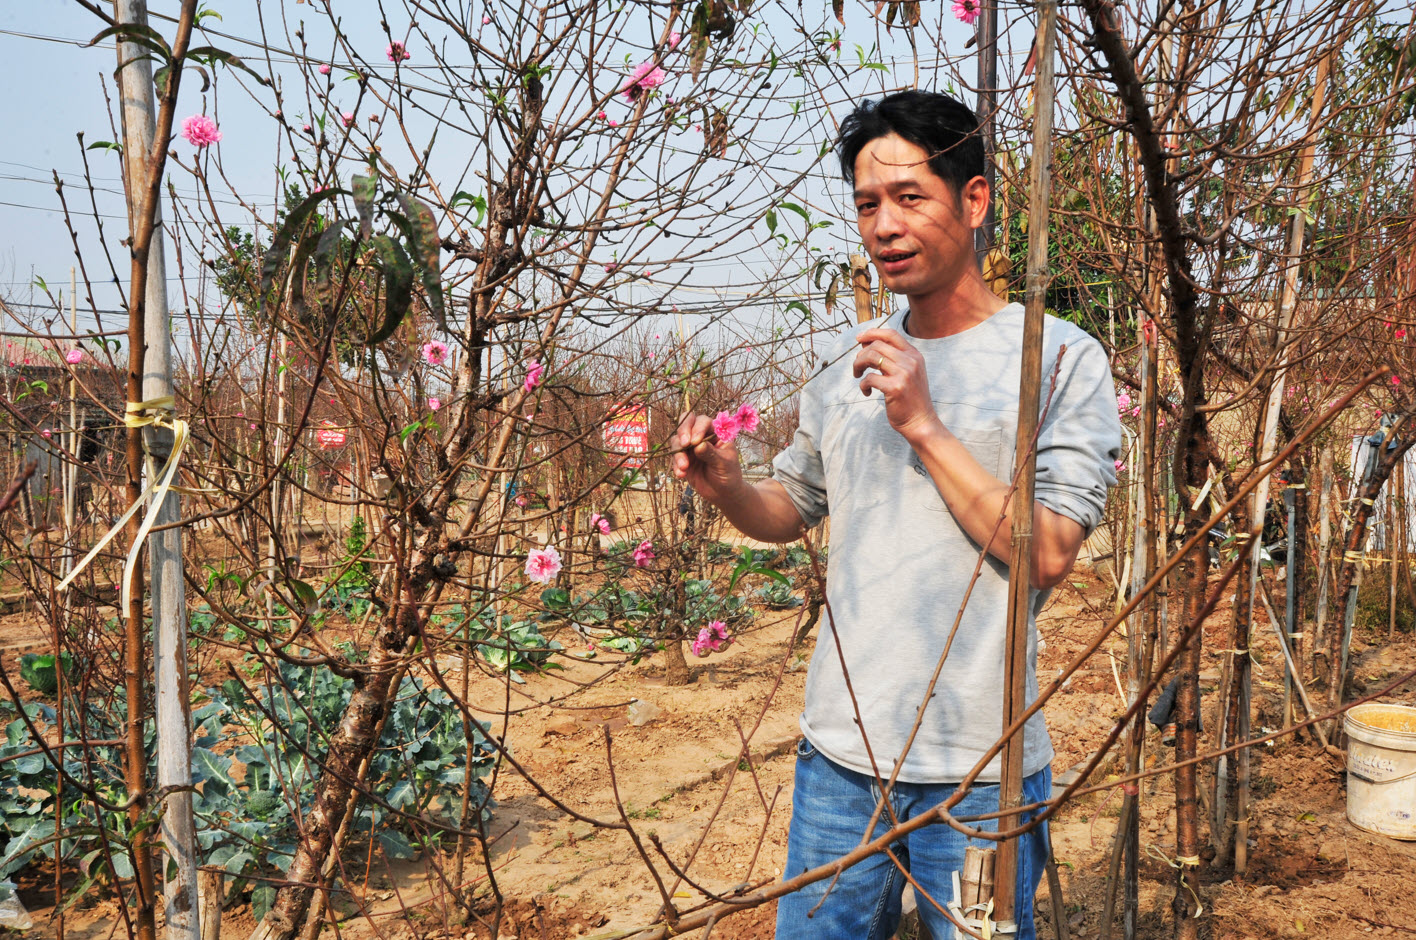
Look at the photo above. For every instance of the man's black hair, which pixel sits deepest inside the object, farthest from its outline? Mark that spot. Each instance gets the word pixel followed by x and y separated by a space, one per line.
pixel 939 124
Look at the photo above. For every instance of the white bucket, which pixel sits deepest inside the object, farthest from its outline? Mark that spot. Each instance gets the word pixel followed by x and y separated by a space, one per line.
pixel 1381 769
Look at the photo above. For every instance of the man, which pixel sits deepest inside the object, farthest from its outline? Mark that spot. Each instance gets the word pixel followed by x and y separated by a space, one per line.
pixel 907 436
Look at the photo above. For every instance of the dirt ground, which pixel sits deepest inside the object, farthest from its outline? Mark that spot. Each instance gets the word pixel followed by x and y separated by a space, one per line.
pixel 689 793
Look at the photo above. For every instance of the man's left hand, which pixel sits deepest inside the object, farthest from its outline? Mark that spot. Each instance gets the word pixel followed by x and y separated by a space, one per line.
pixel 901 377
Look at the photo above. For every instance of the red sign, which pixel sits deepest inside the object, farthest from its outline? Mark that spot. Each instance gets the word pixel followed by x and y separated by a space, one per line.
pixel 331 437
pixel 627 432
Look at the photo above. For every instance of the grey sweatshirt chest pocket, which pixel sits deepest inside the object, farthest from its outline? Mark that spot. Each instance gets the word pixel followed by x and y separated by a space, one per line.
pixel 984 444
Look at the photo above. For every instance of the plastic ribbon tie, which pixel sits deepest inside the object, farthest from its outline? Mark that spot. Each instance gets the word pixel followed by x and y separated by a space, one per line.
pixel 984 925
pixel 1178 863
pixel 158 412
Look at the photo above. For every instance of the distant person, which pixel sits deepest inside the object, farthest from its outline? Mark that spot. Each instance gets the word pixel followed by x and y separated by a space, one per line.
pixel 906 438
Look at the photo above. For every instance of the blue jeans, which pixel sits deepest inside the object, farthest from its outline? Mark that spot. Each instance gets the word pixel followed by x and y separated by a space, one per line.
pixel 831 806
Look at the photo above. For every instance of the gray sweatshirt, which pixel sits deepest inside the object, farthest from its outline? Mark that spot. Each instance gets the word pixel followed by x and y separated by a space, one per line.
pixel 899 563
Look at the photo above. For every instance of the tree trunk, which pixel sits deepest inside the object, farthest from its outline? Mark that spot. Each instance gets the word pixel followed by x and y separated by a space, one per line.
pixel 1187 712
pixel 675 666
pixel 349 746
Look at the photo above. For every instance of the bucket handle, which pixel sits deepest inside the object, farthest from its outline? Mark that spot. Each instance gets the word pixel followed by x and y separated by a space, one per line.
pixel 1367 779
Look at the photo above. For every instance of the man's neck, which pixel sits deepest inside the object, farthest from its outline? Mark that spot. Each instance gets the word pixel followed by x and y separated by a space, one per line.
pixel 946 312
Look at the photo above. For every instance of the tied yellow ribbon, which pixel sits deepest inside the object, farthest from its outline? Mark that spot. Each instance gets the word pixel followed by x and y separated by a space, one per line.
pixel 158 412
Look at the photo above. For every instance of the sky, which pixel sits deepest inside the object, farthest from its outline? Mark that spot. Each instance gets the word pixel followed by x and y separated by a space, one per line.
pixel 65 90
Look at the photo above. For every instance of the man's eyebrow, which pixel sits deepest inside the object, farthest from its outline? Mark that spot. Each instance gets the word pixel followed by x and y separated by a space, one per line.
pixel 895 186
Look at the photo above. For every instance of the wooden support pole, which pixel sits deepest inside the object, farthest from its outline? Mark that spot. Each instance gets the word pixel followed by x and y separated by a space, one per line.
pixel 1015 664
pixel 987 104
pixel 146 134
pixel 1325 471
pixel 860 287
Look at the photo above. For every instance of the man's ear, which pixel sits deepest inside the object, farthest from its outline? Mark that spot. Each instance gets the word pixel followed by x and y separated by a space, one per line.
pixel 974 199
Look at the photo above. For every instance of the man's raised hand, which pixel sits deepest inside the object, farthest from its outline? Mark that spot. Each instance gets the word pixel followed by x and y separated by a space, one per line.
pixel 901 377
pixel 708 465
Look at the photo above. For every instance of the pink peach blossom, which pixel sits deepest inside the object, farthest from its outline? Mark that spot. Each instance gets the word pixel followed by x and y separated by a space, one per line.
pixel 748 417
pixel 644 554
pixel 324 69
pixel 646 77
pixel 397 52
pixel 435 353
pixel 435 403
pixel 533 376
pixel 712 638
pixel 200 131
pixel 966 10
pixel 543 564
pixel 74 356
pixel 726 425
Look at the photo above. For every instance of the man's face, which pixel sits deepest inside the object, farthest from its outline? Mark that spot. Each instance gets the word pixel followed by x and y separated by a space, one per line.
pixel 916 227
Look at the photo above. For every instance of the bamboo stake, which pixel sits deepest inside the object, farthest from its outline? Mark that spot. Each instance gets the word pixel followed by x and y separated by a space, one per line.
pixel 1325 470
pixel 1292 571
pixel 987 32
pixel 1015 665
pixel 1393 542
pixel 71 481
pixel 860 287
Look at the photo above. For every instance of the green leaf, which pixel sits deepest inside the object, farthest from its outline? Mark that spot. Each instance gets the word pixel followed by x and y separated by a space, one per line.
pixel 797 209
pixel 262 900
pixel 139 35
pixel 38 671
pixel 209 767
pixel 212 55
pixel 309 598
pixel 279 251
pixel 425 246
pixel 395 844
pixel 237 862
pixel 403 794
pixel 104 145
pixel 398 287
pixel 364 188
pixel 324 257
pixel 476 202
pixel 771 222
